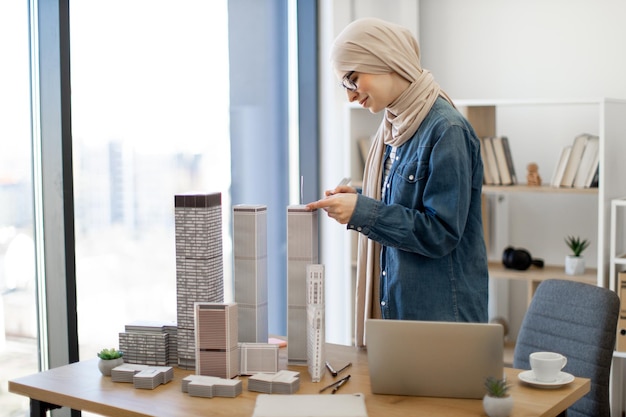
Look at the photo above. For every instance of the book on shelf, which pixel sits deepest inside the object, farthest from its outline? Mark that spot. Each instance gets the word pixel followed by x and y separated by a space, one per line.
pixel 592 178
pixel 487 176
pixel 491 161
pixel 509 159
pixel 588 163
pixel 503 167
pixel 573 162
pixel 594 181
pixel 559 170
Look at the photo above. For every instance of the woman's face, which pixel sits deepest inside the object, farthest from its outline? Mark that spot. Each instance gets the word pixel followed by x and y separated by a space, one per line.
pixel 374 91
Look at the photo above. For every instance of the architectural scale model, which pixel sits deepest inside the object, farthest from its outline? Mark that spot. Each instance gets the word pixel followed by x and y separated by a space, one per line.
pixel 210 386
pixel 250 271
pixel 199 264
pixel 281 382
pixel 315 321
pixel 257 357
pixel 150 343
pixel 302 250
pixel 217 351
pixel 142 376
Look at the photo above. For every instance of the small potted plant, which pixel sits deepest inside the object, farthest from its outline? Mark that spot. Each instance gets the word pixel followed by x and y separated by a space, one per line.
pixel 109 359
pixel 575 263
pixel 497 402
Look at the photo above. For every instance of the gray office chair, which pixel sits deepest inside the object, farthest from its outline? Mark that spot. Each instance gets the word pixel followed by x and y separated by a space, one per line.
pixel 579 321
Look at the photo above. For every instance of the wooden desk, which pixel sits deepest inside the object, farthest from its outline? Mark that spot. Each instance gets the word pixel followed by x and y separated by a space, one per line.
pixel 80 386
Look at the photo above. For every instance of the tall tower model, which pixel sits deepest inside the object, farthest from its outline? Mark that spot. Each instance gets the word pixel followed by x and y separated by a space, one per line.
pixel 199 264
pixel 315 321
pixel 250 271
pixel 302 250
pixel 217 351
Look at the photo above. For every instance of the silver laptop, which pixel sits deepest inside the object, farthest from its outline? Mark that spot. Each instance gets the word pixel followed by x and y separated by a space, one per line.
pixel 433 359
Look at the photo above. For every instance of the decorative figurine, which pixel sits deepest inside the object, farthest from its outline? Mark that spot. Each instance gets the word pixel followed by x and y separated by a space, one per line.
pixel 533 178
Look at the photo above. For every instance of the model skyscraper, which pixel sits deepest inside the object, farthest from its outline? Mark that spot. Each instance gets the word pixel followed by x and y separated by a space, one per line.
pixel 315 321
pixel 217 352
pixel 302 250
pixel 250 271
pixel 199 264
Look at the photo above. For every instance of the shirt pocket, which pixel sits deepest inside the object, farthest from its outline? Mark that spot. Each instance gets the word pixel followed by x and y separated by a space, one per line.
pixel 408 184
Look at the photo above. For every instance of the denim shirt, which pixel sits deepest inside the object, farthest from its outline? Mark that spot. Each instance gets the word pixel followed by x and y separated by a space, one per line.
pixel 429 223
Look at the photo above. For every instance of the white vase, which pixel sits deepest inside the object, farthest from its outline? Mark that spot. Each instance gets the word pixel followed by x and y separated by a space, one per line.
pixel 105 366
pixel 498 406
pixel 574 265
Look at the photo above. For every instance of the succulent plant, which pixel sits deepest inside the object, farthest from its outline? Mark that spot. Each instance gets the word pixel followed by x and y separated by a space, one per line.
pixel 576 244
pixel 108 354
pixel 497 387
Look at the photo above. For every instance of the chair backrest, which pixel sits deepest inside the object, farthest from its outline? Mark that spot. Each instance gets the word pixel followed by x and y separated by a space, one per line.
pixel 579 321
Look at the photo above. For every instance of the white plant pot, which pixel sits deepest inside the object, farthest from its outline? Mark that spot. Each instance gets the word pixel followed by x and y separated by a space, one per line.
pixel 105 366
pixel 498 406
pixel 574 265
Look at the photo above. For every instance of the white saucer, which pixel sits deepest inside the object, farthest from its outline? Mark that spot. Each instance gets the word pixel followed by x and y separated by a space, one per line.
pixel 561 379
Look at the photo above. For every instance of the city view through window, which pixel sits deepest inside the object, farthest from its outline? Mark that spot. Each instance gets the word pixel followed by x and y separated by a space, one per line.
pixel 18 322
pixel 149 121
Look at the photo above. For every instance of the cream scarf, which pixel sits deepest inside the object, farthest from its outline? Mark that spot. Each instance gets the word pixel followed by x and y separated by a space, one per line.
pixel 374 46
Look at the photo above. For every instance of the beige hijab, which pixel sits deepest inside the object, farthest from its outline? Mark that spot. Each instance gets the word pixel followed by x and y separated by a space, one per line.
pixel 374 46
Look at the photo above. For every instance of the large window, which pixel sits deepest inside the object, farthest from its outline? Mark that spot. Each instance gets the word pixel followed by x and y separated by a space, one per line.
pixel 150 119
pixel 18 322
pixel 146 116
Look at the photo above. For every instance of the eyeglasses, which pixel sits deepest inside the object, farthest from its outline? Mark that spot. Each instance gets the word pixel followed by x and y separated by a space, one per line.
pixel 348 83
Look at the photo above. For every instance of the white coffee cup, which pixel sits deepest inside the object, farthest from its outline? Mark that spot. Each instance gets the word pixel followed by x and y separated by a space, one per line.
pixel 547 365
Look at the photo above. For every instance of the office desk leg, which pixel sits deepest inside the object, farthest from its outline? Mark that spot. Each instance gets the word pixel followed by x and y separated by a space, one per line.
pixel 40 408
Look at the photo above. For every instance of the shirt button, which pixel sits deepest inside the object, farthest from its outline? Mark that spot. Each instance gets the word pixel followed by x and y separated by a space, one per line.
pixel 397 158
pixel 411 177
pixel 384 273
pixel 358 229
pixel 382 303
pixel 387 185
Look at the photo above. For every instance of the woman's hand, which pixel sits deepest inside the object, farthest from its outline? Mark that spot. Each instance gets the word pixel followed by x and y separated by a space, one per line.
pixel 340 189
pixel 339 203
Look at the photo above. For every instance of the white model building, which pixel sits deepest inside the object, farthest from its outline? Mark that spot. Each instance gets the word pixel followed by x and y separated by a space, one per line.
pixel 217 350
pixel 250 271
pixel 302 250
pixel 199 264
pixel 315 321
pixel 258 357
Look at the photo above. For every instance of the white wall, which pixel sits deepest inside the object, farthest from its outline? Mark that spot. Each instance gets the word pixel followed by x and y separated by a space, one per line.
pixel 552 49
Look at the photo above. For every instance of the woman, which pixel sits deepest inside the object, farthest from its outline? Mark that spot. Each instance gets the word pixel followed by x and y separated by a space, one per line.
pixel 421 250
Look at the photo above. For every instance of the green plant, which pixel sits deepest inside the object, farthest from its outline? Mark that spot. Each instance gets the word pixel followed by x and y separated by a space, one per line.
pixel 576 244
pixel 108 354
pixel 497 387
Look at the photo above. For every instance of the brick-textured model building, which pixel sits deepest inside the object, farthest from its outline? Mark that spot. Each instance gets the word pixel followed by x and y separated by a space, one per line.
pixel 199 263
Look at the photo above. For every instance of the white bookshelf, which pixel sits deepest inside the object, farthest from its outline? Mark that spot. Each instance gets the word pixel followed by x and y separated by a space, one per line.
pixel 618 240
pixel 618 264
pixel 539 218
